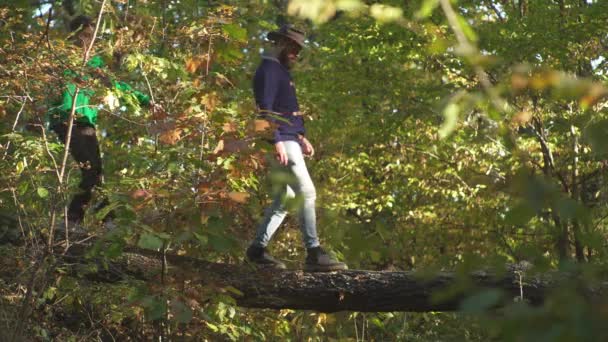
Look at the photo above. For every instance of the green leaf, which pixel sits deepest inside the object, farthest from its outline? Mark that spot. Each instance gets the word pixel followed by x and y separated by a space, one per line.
pixel 42 192
pixel 596 134
pixel 466 28
pixel 220 243
pixel 386 14
pixel 150 241
pixel 428 6
pixel 349 5
pixel 155 308
pixel 450 120
pixel 318 11
pixel 520 214
pixel 235 32
pixel 50 293
pixel 103 212
pixel 229 53
pixel 114 250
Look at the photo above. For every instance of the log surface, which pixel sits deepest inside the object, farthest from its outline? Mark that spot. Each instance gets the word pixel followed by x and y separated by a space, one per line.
pixel 351 290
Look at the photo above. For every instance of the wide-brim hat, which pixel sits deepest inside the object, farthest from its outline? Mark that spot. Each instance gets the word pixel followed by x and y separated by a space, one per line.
pixel 289 32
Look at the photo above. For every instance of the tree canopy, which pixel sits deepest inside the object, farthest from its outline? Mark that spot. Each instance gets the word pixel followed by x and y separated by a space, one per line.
pixel 449 135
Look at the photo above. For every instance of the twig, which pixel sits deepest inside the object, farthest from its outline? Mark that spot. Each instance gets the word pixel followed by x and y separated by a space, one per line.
pixel 8 145
pixel 208 56
pixel 68 137
pixel 48 150
pixel 127 120
pixel 17 205
pixel 88 51
pixel 149 88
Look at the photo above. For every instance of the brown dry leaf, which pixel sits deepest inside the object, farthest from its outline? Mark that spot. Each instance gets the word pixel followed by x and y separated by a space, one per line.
pixel 192 64
pixel 239 197
pixel 170 137
pixel 259 125
pixel 521 118
pixel 204 187
pixel 210 101
pixel 256 163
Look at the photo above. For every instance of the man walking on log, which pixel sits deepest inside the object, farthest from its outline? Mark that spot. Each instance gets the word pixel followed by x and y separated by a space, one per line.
pixel 275 96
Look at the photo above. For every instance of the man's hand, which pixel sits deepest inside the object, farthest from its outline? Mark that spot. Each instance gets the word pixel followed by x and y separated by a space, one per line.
pixel 281 153
pixel 307 148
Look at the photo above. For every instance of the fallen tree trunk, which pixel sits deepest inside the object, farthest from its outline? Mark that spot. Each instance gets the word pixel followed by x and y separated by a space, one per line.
pixel 352 290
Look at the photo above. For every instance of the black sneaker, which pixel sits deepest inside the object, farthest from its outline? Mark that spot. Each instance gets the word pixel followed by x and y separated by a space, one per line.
pixel 318 260
pixel 260 257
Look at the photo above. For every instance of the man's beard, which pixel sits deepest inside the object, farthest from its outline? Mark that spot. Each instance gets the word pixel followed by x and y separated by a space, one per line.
pixel 284 59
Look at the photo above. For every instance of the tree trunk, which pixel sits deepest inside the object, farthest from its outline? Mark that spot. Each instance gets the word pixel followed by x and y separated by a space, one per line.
pixel 352 290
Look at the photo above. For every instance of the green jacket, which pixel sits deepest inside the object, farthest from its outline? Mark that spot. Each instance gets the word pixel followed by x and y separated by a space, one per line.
pixel 85 111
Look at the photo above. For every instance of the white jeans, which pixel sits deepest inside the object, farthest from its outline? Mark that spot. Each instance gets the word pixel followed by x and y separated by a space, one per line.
pixel 299 185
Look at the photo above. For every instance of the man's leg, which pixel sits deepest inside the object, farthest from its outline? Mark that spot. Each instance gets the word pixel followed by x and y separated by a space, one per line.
pixel 317 259
pixel 84 148
pixel 303 187
pixel 274 216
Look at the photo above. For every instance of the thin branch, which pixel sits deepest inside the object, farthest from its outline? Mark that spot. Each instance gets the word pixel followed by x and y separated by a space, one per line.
pixel 8 145
pixel 208 56
pixel 18 207
pixel 149 88
pixel 88 51
pixel 48 150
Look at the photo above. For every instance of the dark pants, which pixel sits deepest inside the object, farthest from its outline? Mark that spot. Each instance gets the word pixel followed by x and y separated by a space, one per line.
pixel 84 148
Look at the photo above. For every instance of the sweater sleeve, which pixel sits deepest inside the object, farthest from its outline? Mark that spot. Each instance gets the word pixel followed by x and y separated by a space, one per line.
pixel 265 88
pixel 142 98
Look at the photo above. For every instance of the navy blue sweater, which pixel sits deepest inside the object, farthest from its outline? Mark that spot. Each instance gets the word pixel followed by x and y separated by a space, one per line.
pixel 275 96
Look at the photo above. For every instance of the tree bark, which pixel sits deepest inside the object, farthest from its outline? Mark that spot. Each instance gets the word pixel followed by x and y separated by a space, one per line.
pixel 352 290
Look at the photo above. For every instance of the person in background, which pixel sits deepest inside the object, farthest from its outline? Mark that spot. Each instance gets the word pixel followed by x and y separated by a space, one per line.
pixel 275 96
pixel 84 145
